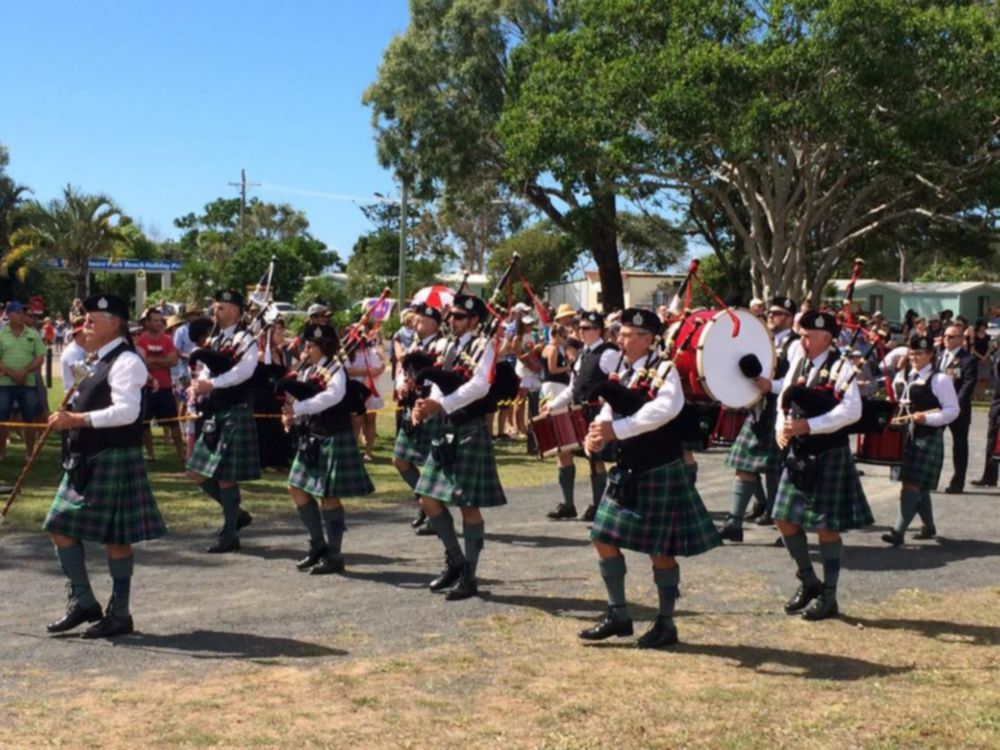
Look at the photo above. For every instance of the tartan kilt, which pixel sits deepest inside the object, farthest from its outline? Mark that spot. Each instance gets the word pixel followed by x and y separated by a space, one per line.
pixel 236 457
pixel 117 505
pixel 472 481
pixel 923 460
pixel 748 453
pixel 667 517
pixel 338 473
pixel 416 446
pixel 837 503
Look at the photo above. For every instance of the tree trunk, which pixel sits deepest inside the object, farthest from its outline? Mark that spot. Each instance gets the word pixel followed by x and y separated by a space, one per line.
pixel 83 281
pixel 603 244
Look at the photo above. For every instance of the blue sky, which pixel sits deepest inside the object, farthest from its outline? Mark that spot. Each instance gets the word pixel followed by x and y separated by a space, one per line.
pixel 160 104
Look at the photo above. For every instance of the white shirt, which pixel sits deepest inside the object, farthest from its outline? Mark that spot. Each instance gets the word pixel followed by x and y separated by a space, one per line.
pixel 332 395
pixel 610 358
pixel 846 412
pixel 127 376
pixel 895 359
pixel 242 370
pixel 794 350
pixel 665 406
pixel 941 386
pixel 473 389
pixel 72 354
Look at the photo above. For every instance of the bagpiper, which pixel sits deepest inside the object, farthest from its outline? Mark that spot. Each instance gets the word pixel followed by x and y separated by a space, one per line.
pixel 820 490
pixel 461 468
pixel 226 452
pixel 649 505
pixel 327 465
pixel 104 495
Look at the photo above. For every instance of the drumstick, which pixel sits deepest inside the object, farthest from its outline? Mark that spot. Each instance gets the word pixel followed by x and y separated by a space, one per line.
pixel 907 418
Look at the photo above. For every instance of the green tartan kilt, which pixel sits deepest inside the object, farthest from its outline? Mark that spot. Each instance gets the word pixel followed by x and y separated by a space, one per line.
pixel 750 454
pixel 117 505
pixel 338 473
pixel 472 480
pixel 923 460
pixel 667 517
pixel 836 503
pixel 416 446
pixel 236 457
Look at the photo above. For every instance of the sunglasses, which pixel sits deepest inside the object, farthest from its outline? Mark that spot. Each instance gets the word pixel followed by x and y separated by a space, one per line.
pixel 458 316
pixel 589 328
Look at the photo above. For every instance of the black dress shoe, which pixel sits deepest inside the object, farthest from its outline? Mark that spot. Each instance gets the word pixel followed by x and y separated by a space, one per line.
pixel 314 556
pixel 224 545
pixel 893 537
pixel 823 608
pixel 562 512
pixel 731 532
pixel 926 532
pixel 110 627
pixel 426 530
pixel 419 519
pixel 952 489
pixel 244 520
pixel 588 515
pixel 755 512
pixel 608 627
pixel 663 633
pixel 765 520
pixel 982 483
pixel 801 598
pixel 327 566
pixel 75 615
pixel 465 588
pixel 449 576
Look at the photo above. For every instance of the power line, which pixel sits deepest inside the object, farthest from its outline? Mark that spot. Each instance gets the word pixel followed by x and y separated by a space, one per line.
pixel 243 185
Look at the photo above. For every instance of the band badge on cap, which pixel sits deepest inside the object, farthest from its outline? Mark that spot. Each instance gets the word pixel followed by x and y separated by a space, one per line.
pixel 469 304
pixel 226 297
pixel 637 319
pixel 102 303
pixel 317 332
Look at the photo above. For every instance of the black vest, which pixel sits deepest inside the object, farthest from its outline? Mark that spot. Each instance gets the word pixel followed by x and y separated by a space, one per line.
pixel 922 398
pixel 562 377
pixel 651 449
pixel 227 398
pixel 816 444
pixel 94 393
pixel 480 408
pixel 330 421
pixel 589 372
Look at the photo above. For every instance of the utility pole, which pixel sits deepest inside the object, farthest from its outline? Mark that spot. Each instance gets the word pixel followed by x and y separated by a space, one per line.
pixel 242 185
pixel 404 194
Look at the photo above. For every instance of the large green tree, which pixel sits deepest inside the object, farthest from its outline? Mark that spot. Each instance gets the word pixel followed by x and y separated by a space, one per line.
pixel 446 111
pixel 546 254
pixel 75 228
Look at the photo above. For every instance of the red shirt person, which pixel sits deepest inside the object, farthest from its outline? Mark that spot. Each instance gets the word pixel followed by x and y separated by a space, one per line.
pixel 157 348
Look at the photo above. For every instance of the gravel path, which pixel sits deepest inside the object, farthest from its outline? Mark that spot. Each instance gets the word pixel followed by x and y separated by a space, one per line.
pixel 199 613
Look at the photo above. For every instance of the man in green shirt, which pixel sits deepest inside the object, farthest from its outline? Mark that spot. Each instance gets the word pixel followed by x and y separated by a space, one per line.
pixel 22 352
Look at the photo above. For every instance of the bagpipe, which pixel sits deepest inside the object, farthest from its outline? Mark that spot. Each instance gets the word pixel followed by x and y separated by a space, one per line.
pixel 356 393
pixel 504 383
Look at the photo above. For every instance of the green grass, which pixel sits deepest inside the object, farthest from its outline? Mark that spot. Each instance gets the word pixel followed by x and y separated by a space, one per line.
pixel 185 508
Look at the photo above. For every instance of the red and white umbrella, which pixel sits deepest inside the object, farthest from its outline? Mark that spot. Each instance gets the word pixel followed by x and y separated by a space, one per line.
pixel 438 296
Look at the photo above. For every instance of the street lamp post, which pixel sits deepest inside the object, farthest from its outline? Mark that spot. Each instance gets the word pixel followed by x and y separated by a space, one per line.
pixel 404 193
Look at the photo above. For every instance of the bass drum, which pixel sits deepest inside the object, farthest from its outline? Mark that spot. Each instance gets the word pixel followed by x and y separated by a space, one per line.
pixel 706 348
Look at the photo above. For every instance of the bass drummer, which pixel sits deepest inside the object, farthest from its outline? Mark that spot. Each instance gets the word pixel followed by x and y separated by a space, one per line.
pixel 594 363
pixel 755 451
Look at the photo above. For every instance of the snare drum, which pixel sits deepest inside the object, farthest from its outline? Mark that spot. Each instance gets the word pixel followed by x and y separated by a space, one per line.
pixel 728 426
pixel 706 348
pixel 560 431
pixel 884 448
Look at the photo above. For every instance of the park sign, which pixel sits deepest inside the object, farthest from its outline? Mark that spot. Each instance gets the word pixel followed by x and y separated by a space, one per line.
pixel 126 265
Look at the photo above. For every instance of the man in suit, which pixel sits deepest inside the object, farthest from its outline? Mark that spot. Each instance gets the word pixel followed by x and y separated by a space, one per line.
pixel 961 367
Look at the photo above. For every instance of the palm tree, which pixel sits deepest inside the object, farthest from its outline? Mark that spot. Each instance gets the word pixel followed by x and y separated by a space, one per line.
pixel 74 229
pixel 12 199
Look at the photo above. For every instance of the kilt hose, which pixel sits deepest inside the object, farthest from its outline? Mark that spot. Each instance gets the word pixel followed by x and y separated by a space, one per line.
pixel 338 471
pixel 836 503
pixel 117 505
pixel 666 517
pixel 471 481
pixel 236 456
pixel 923 461
pixel 751 454
pixel 415 447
